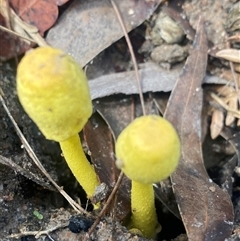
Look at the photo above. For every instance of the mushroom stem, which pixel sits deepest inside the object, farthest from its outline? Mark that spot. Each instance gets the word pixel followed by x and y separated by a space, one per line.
pixel 147 151
pixel 144 215
pixel 79 165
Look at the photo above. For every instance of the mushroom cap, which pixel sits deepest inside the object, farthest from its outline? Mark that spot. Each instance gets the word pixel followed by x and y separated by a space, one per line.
pixel 148 149
pixel 54 92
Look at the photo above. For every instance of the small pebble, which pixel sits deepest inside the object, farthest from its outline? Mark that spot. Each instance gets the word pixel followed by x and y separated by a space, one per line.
pixel 79 223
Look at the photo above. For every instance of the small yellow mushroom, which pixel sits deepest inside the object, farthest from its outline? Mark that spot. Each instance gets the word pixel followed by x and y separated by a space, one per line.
pixel 147 151
pixel 54 92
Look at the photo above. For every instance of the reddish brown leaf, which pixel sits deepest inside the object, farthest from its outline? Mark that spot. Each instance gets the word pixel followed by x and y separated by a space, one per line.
pixel 100 142
pixel 88 27
pixel 40 13
pixel 206 210
pixel 8 43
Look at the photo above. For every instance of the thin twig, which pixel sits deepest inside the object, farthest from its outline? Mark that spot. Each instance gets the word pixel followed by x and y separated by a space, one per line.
pixel 131 53
pixel 16 34
pixel 5 12
pixel 21 26
pixel 37 234
pixel 225 106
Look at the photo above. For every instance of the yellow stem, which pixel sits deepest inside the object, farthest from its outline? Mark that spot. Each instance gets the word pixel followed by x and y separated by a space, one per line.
pixel 79 165
pixel 144 215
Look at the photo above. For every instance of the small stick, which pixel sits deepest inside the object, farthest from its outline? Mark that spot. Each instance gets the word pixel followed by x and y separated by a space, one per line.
pixel 131 53
pixel 37 234
pixel 16 34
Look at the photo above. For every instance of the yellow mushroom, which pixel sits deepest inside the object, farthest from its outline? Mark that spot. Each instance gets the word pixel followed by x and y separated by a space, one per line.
pixel 147 151
pixel 53 90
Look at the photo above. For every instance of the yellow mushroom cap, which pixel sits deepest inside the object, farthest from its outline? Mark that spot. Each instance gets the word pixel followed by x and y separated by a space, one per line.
pixel 148 149
pixel 54 92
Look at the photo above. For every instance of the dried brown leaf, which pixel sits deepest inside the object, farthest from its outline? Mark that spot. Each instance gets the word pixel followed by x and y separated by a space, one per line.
pixel 154 78
pixel 36 16
pixel 88 27
pixel 229 54
pixel 206 210
pixel 217 123
pixel 100 141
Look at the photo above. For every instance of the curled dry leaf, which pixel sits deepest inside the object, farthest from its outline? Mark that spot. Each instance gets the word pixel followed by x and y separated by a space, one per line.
pixel 217 123
pixel 229 54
